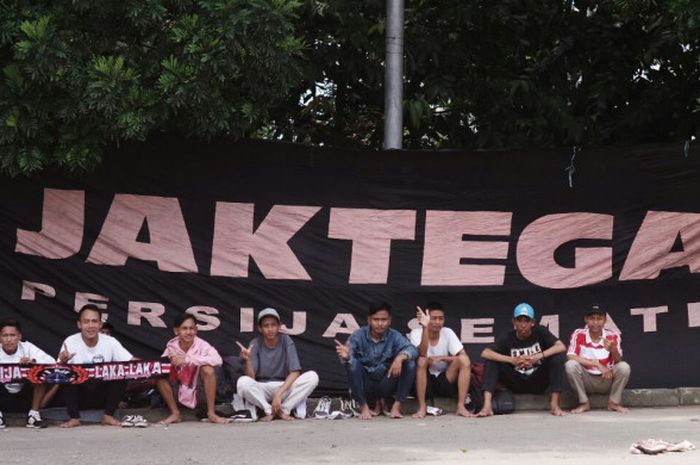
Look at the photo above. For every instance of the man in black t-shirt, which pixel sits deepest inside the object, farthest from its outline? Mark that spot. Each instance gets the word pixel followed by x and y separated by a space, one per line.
pixel 527 359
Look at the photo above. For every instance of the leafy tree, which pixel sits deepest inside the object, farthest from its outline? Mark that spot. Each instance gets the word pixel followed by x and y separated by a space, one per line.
pixel 83 75
pixel 79 76
pixel 511 73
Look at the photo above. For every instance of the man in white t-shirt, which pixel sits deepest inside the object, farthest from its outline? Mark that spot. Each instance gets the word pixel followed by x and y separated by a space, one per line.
pixel 91 346
pixel 21 396
pixel 444 368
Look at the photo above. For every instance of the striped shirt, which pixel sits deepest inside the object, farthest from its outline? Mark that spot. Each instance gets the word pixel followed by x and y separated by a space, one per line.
pixel 582 345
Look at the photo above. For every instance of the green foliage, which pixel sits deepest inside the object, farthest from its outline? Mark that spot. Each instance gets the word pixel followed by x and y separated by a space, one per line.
pixel 81 76
pixel 507 73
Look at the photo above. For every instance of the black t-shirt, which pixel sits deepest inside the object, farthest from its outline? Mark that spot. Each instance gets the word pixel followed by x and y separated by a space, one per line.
pixel 540 340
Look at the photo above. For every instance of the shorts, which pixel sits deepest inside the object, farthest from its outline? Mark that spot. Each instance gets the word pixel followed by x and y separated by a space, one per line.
pixel 440 386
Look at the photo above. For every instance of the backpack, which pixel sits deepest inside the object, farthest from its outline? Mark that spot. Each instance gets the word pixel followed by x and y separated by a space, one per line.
pixel 502 401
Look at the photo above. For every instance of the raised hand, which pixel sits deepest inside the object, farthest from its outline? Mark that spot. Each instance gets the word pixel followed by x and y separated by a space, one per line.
pixel 609 345
pixel 65 355
pixel 422 317
pixel 245 351
pixel 343 350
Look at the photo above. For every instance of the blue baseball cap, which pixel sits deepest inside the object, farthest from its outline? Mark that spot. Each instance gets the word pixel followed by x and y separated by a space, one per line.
pixel 524 310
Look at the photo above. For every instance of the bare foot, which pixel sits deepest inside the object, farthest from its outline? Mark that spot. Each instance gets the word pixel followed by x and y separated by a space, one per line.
pixel 613 407
pixel 285 416
pixel 366 413
pixel 109 420
pixel 173 418
pixel 463 412
pixel 377 408
pixel 267 418
pixel 72 423
pixel 485 412
pixel 557 412
pixel 584 407
pixel 214 418
pixel 395 411
pixel 420 413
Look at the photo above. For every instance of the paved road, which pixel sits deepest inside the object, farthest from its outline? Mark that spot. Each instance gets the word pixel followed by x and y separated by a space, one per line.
pixel 597 437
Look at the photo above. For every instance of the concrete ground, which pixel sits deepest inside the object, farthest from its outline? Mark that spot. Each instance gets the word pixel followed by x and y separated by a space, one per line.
pixel 524 437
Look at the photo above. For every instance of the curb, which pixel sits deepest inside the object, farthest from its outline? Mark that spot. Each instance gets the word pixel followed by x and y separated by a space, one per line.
pixel 635 398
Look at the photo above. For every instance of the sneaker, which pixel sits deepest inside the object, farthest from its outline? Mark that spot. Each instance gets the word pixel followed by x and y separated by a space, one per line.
pixel 139 421
pixel 434 411
pixel 34 420
pixel 323 408
pixel 242 416
pixel 349 407
pixel 2 421
pixel 128 421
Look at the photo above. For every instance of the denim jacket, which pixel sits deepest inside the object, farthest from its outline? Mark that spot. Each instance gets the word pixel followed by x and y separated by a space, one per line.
pixel 376 357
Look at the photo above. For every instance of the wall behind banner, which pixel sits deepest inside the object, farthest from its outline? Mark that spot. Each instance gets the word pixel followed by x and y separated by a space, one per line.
pixel 226 229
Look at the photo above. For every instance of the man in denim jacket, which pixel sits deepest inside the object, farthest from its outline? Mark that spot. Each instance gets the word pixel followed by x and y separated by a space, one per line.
pixel 380 363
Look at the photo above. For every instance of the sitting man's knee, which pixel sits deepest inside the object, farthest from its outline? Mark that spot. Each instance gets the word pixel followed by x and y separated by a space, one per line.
pixel 206 370
pixel 464 361
pixel 312 377
pixel 623 368
pixel 244 382
pixel 572 366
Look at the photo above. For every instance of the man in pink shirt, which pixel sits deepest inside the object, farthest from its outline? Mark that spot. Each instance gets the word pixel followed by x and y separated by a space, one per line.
pixel 595 362
pixel 193 362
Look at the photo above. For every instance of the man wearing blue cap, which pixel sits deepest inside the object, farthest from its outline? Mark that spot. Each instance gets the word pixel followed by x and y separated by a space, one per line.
pixel 527 359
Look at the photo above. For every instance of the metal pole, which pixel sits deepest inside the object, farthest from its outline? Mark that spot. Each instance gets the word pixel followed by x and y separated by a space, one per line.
pixel 393 79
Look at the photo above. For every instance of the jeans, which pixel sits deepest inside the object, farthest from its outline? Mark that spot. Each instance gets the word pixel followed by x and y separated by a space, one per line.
pixel 367 389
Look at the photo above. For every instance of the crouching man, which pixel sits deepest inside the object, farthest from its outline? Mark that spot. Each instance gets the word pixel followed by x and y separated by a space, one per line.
pixel 193 379
pixel 21 397
pixel 595 362
pixel 91 346
pixel 380 364
pixel 273 379
pixel 444 368
pixel 529 359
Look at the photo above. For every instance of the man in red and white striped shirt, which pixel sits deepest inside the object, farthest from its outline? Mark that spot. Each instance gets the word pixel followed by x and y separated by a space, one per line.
pixel 595 362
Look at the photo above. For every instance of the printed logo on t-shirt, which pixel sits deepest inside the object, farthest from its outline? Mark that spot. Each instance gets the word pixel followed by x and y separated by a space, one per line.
pixel 535 348
pixel 99 358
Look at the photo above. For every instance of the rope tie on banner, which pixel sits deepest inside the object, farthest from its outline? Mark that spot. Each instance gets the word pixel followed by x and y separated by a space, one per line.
pixel 571 169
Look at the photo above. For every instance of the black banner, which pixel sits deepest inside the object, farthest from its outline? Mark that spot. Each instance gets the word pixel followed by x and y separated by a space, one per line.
pixel 223 230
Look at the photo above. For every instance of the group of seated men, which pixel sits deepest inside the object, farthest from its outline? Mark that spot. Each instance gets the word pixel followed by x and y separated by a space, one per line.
pixel 382 367
pixel 381 363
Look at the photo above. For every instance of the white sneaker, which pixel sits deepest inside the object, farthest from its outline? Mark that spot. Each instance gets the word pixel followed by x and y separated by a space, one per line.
pixel 34 420
pixel 128 421
pixel 2 421
pixel 323 408
pixel 139 421
pixel 435 411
